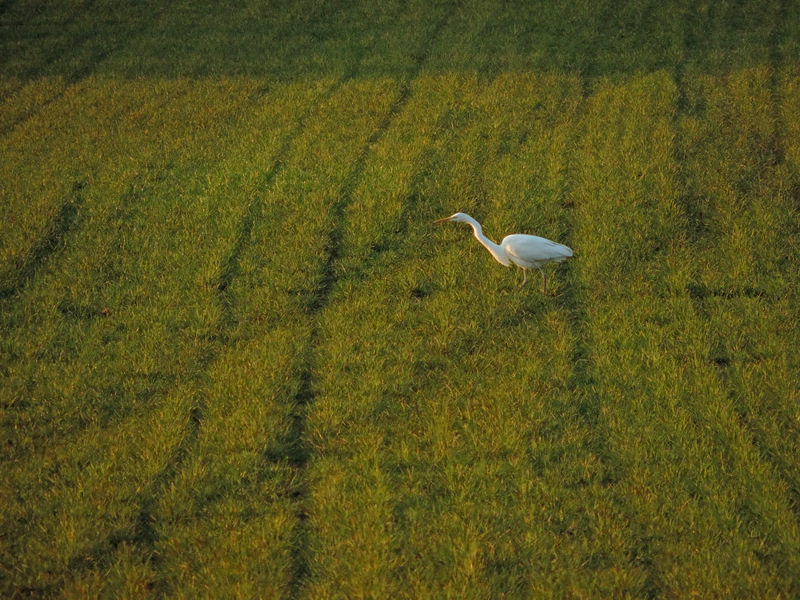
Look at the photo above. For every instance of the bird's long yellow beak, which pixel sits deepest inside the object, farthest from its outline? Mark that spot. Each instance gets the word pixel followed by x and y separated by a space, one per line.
pixel 442 220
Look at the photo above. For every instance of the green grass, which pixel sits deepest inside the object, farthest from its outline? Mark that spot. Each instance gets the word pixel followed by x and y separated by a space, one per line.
pixel 238 359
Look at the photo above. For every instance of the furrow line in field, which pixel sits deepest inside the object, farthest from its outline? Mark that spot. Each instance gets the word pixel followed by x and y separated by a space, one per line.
pixel 591 409
pixel 295 452
pixel 697 35
pixel 67 223
pixel 756 411
pixel 736 292
pixel 582 383
pixel 230 269
pixel 411 201
pixel 71 79
pixel 378 210
pixel 299 451
pixel 154 533
pixel 144 532
pixel 329 274
pixel 623 210
pixel 145 528
pixel 62 225
pixel 189 386
pixel 580 379
pixel 147 524
pixel 292 447
pixel 9 127
pixel 10 88
pixel 758 435
pixel 230 266
pixel 329 277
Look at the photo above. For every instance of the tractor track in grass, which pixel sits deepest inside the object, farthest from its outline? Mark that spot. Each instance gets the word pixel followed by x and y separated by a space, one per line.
pixel 582 384
pixel 61 227
pixel 589 407
pixel 294 451
pixel 165 531
pixel 143 533
pixel 298 452
pixel 81 72
pixel 778 36
pixel 329 275
pixel 699 228
pixel 699 233
pixel 56 239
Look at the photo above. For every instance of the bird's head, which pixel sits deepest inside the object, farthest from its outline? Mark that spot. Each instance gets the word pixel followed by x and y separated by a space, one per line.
pixel 456 218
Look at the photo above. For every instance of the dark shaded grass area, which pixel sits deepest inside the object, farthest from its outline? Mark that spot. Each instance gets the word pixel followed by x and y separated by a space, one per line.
pixel 288 41
pixel 59 228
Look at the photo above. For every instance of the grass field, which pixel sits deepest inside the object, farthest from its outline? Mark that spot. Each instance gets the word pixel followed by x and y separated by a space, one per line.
pixel 237 360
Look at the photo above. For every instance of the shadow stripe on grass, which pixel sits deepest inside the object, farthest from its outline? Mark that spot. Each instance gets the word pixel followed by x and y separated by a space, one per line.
pixel 291 447
pixel 83 70
pixel 581 382
pixel 298 451
pixel 592 294
pixel 146 534
pixel 62 225
pixel 329 275
pixel 710 298
pixel 143 534
pixel 231 265
pixel 763 414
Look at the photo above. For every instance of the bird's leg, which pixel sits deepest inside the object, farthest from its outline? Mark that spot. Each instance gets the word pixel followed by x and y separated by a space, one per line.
pixel 544 275
pixel 524 279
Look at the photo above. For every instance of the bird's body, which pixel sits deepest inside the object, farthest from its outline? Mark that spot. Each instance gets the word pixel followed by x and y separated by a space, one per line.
pixel 525 251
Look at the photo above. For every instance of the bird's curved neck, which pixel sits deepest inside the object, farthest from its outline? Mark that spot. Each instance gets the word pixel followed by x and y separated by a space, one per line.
pixel 495 249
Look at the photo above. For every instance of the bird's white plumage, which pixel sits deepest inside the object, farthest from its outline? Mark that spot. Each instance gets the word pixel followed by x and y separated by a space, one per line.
pixel 525 251
pixel 532 251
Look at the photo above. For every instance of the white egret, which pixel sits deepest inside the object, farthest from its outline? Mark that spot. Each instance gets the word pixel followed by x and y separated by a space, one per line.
pixel 525 251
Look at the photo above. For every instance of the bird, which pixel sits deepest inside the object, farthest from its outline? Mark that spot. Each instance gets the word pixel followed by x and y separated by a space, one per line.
pixel 525 251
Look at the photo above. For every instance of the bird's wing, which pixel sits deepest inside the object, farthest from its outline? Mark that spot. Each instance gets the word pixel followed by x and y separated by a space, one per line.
pixel 530 250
